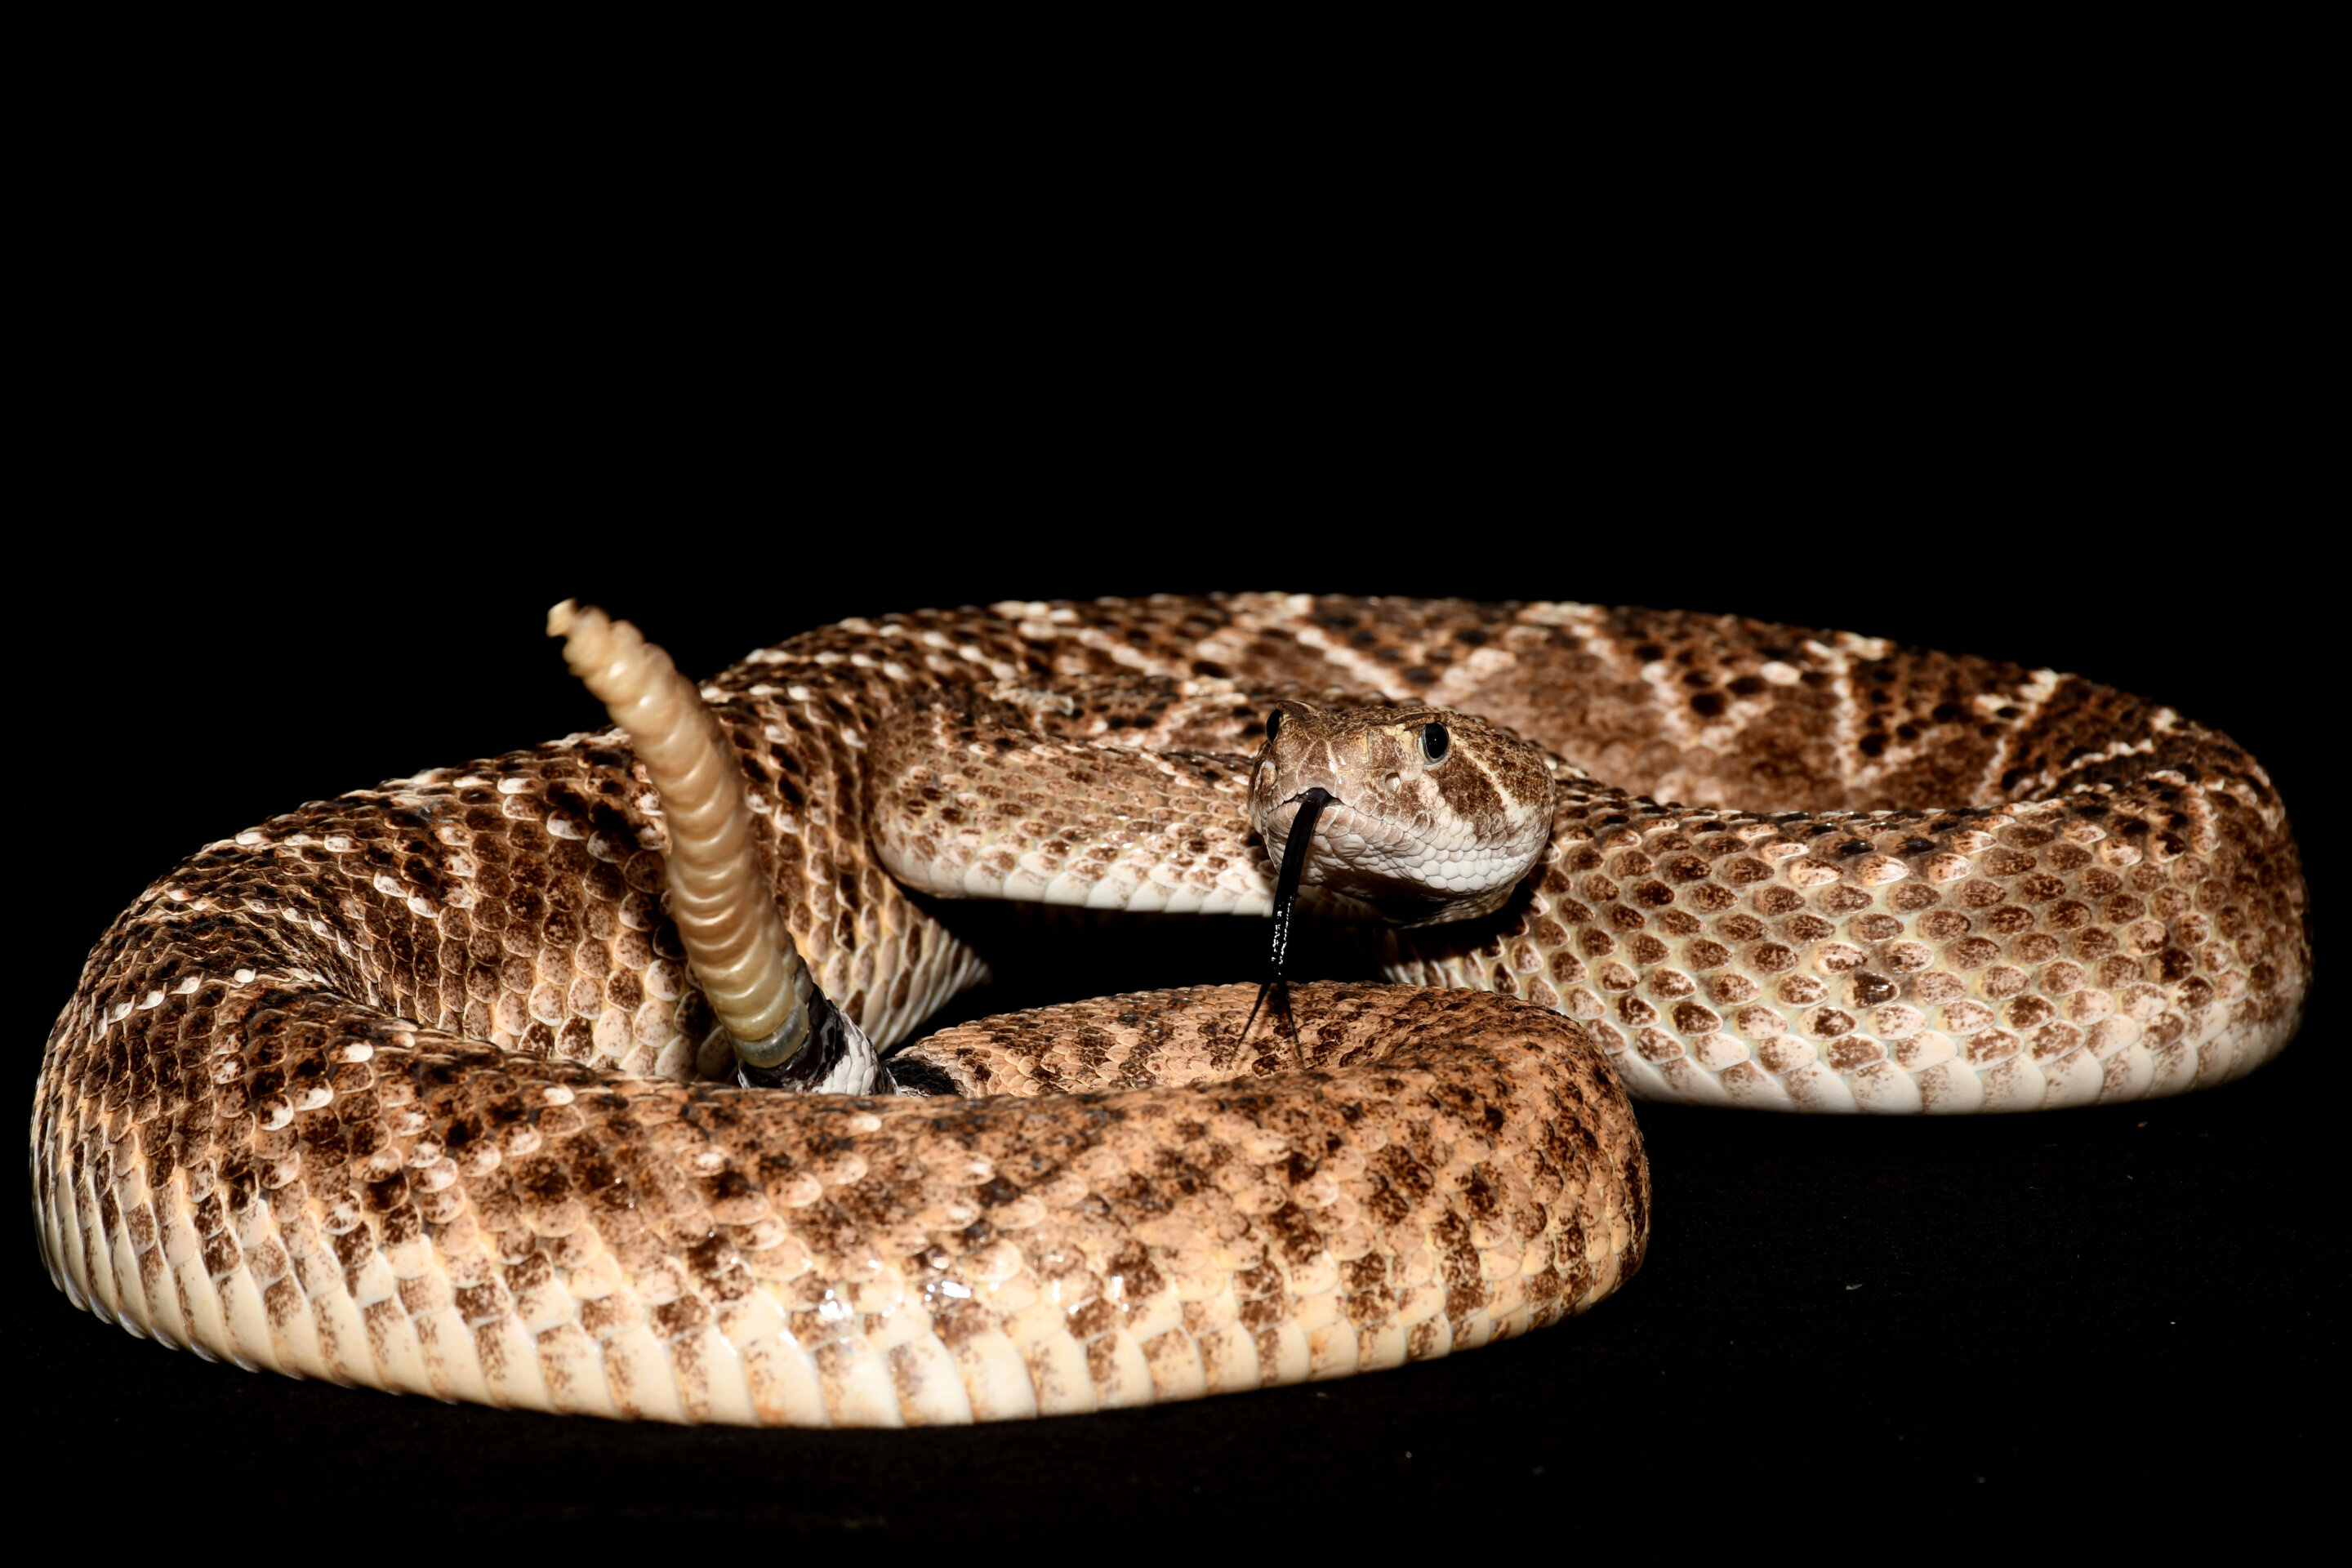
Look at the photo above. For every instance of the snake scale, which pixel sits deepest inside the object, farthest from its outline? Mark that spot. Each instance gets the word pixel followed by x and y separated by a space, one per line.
pixel 418 1088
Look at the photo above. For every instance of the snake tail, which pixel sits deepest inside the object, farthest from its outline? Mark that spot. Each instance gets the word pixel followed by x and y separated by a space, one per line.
pixel 720 894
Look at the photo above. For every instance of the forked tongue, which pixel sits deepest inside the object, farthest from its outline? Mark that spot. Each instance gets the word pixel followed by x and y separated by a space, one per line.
pixel 1286 897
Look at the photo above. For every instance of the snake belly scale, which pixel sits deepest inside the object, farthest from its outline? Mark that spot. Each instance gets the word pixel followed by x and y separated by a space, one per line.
pixel 415 1089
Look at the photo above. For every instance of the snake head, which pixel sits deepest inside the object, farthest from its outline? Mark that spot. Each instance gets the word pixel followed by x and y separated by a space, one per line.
pixel 1435 815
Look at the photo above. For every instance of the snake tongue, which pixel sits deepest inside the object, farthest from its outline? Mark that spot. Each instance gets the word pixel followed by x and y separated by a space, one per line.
pixel 1286 897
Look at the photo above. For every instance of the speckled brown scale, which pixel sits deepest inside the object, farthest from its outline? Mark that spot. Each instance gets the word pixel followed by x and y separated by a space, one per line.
pixel 402 1088
pixel 969 800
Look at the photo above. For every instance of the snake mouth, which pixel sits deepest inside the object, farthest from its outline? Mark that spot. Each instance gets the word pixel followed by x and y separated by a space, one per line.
pixel 1328 836
pixel 1343 826
pixel 1376 865
pixel 1325 801
pixel 1347 829
pixel 1302 811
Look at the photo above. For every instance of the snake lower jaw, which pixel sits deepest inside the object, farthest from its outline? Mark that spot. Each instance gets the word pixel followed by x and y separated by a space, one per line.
pixel 1341 897
pixel 1363 869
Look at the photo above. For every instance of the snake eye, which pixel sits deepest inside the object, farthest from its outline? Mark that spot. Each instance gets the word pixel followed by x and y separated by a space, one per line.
pixel 1434 743
pixel 1273 725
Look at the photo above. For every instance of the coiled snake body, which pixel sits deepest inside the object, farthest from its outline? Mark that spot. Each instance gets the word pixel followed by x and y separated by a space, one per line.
pixel 417 1088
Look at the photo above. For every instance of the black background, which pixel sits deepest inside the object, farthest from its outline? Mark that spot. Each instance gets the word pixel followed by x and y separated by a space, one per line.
pixel 283 564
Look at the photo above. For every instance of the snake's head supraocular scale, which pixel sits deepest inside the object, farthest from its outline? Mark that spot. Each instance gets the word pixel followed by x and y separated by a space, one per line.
pixel 1433 816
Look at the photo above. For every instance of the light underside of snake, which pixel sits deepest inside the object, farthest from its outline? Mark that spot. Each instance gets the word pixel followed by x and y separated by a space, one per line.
pixel 418 1088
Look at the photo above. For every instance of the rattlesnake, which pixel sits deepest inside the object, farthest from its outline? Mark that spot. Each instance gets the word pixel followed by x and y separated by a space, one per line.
pixel 414 1088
